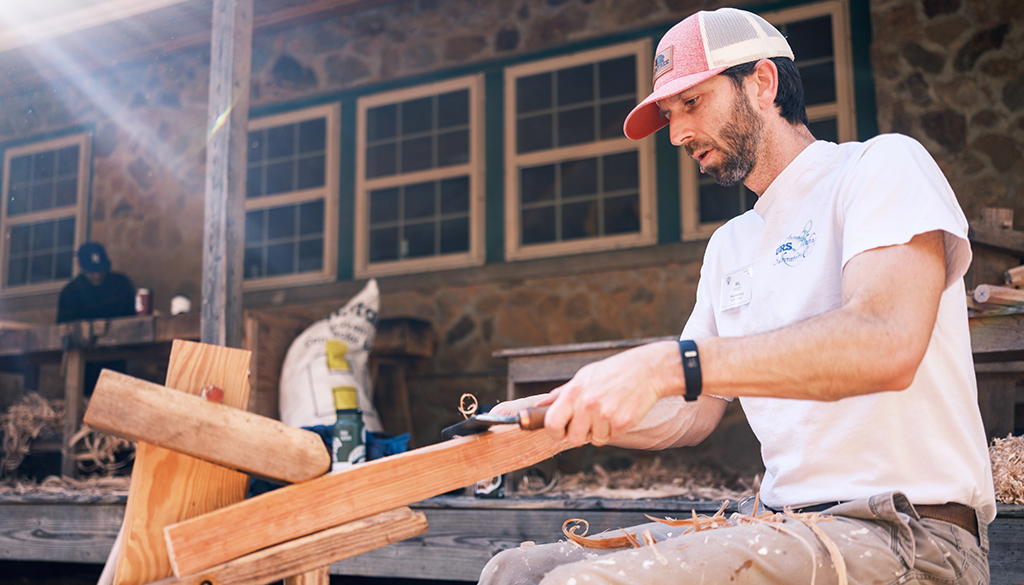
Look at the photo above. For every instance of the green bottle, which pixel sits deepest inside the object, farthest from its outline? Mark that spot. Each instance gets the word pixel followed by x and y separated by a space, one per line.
pixel 348 446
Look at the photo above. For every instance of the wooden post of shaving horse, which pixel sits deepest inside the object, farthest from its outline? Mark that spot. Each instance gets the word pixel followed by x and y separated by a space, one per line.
pixel 191 455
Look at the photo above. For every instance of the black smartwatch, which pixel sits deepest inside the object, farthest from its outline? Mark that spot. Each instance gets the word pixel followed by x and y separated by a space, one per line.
pixel 691 369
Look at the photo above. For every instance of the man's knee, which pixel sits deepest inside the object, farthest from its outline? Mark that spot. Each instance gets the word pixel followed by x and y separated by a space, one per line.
pixel 527 565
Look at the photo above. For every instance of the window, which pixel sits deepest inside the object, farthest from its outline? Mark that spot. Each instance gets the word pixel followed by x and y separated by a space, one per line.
pixel 420 181
pixel 574 182
pixel 45 198
pixel 820 39
pixel 291 198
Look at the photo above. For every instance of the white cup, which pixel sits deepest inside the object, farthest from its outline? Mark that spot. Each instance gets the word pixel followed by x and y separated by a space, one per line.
pixel 180 304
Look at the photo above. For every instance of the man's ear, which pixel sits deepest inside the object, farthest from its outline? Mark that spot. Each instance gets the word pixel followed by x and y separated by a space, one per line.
pixel 766 83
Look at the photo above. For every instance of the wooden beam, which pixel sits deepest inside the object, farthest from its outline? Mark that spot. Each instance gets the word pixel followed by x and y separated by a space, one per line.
pixel 100 334
pixel 74 378
pixel 369 488
pixel 62 23
pixel 169 487
pixel 227 136
pixel 1007 240
pixel 142 411
pixel 306 561
pixel 998 295
pixel 995 339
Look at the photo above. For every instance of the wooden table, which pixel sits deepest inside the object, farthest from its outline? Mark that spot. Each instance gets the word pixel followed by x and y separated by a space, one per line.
pixel 24 349
pixel 400 343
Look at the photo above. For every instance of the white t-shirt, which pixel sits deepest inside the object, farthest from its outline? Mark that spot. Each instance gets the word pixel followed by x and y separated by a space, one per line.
pixel 782 263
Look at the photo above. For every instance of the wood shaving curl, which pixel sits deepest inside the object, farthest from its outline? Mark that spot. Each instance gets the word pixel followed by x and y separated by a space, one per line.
pixel 470 410
pixel 626 539
pixel 811 521
pixel 700 522
pixel 650 542
pixel 697 522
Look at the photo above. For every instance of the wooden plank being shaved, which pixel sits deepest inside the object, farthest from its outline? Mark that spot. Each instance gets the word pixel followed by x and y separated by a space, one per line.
pixel 306 561
pixel 142 411
pixel 168 487
pixel 365 489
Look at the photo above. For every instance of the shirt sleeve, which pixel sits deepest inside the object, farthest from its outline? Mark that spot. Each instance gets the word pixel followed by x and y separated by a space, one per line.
pixel 702 319
pixel 895 191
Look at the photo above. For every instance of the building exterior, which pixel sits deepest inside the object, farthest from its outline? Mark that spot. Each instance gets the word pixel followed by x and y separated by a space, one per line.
pixel 467 154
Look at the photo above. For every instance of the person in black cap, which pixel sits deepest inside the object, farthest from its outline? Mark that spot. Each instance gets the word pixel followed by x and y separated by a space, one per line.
pixel 97 293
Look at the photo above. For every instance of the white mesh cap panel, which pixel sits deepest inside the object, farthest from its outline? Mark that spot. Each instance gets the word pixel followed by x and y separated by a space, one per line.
pixel 723 28
pixel 732 37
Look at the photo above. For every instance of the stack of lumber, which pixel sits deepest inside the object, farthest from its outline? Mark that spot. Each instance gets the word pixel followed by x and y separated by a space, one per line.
pixel 997 272
pixel 187 520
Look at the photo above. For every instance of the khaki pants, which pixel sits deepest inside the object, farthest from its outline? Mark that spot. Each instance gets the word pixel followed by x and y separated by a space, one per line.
pixel 882 541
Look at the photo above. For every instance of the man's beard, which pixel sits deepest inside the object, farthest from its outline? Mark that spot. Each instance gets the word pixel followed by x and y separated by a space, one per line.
pixel 741 136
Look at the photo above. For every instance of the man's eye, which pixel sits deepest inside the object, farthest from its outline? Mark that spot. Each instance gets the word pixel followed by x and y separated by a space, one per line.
pixel 690 102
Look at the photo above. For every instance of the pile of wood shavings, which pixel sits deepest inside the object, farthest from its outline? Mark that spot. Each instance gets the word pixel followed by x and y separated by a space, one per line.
pixel 1008 469
pixel 93 486
pixel 643 480
pixel 35 416
pixel 25 421
pixel 700 523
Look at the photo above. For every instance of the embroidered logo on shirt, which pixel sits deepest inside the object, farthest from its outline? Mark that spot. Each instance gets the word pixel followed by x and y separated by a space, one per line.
pixel 663 62
pixel 796 248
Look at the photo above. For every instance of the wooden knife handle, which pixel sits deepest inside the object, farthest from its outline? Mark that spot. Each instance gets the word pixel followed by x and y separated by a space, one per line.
pixel 532 418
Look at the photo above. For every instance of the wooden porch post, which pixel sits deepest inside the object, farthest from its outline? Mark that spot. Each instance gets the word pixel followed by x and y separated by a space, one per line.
pixel 227 134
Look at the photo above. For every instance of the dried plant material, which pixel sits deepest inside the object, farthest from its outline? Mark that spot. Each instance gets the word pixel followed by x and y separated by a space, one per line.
pixel 1007 457
pixel 25 421
pixel 650 479
pixel 811 521
pixel 611 542
pixel 468 410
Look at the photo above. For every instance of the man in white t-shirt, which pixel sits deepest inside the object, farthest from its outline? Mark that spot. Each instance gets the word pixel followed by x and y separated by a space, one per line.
pixel 834 310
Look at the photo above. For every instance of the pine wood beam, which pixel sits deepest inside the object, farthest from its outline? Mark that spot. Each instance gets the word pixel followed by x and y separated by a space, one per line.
pixel 306 560
pixel 369 488
pixel 142 411
pixel 168 487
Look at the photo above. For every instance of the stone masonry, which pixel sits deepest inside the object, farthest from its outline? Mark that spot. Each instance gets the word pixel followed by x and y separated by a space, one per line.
pixel 947 72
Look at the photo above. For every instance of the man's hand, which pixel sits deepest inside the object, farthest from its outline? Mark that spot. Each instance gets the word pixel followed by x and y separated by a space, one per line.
pixel 607 398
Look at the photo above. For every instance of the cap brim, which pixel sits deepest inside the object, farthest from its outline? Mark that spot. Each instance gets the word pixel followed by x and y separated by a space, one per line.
pixel 646 118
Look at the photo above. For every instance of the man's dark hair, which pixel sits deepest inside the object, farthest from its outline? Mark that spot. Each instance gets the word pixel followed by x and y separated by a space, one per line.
pixel 790 97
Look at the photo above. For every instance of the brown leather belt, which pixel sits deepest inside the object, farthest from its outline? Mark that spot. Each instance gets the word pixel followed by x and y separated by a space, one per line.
pixel 952 512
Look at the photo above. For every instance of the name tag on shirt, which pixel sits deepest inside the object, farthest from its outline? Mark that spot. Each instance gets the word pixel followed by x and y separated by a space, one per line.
pixel 737 288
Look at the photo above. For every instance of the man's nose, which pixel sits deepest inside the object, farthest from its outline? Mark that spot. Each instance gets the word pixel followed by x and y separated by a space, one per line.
pixel 679 131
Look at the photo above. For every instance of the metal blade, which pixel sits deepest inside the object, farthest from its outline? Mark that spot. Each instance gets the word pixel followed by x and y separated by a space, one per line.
pixel 477 424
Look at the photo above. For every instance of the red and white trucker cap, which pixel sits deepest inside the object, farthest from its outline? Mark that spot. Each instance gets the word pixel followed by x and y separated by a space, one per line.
pixel 703 45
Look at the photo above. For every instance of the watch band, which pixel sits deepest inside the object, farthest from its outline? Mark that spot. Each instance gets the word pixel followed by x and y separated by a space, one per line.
pixel 691 369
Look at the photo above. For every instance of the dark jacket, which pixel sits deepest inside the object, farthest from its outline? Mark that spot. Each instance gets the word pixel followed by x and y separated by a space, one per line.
pixel 81 300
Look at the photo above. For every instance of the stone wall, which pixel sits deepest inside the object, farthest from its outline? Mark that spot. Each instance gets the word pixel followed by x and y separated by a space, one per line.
pixel 951 74
pixel 948 72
